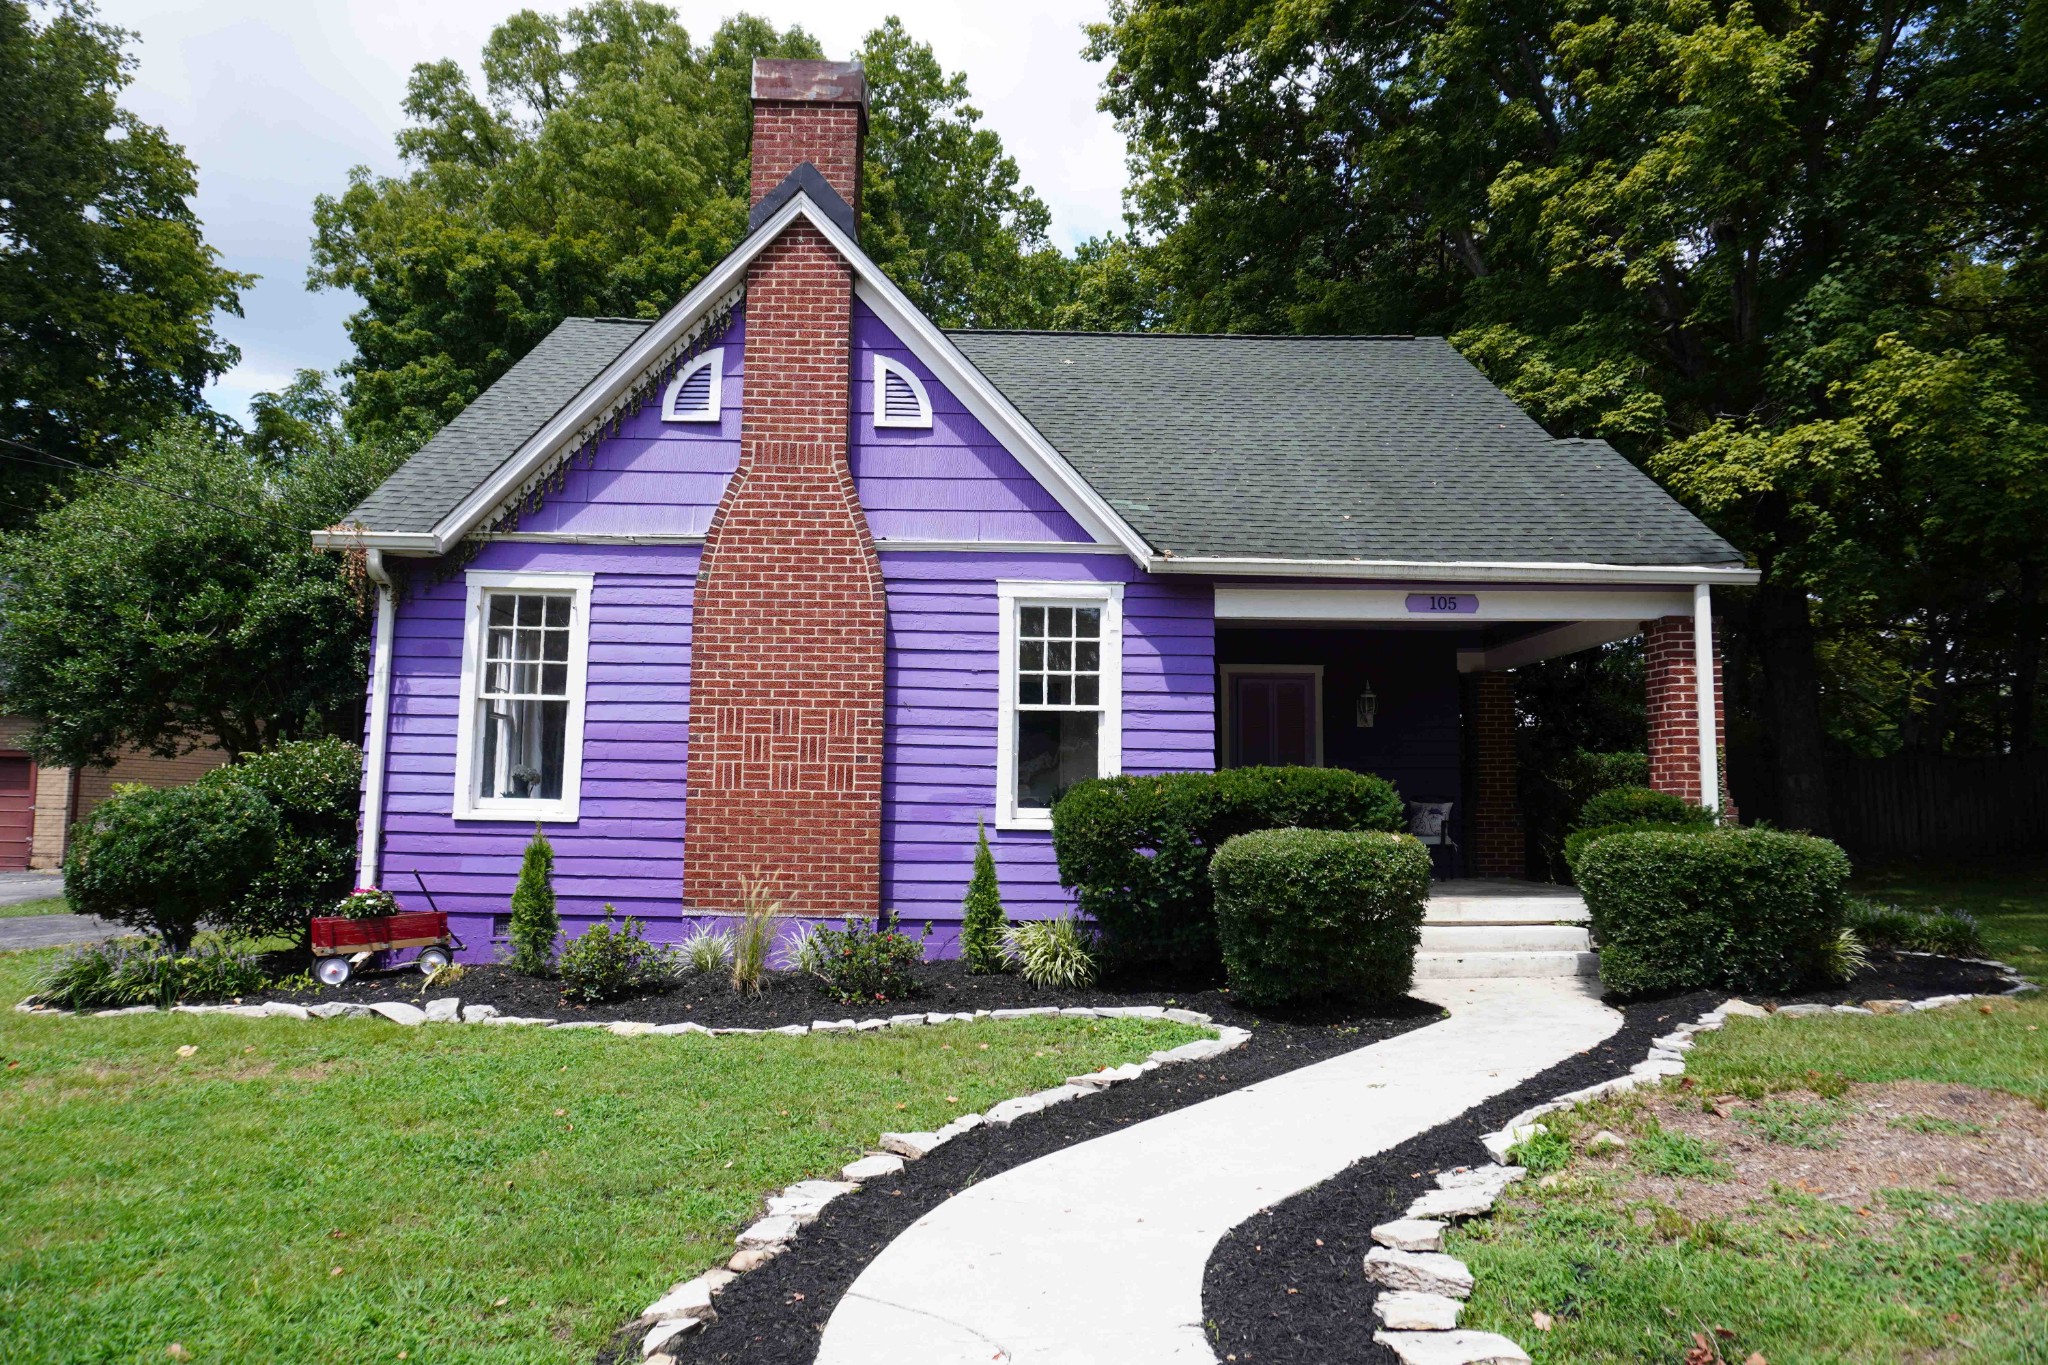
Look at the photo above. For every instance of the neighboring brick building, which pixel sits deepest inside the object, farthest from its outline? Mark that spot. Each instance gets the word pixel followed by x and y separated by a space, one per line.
pixel 792 585
pixel 39 804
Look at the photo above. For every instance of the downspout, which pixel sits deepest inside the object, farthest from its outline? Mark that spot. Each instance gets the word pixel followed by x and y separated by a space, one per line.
pixel 1703 694
pixel 374 760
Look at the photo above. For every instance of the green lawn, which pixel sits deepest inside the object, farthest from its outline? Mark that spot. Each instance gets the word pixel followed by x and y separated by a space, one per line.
pixel 351 1190
pixel 2010 899
pixel 49 905
pixel 1796 1279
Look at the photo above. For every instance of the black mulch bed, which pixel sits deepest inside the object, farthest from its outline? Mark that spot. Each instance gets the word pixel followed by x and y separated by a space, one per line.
pixel 1276 1296
pixel 792 998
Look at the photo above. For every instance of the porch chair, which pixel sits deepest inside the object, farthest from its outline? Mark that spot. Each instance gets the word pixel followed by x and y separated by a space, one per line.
pixel 1430 821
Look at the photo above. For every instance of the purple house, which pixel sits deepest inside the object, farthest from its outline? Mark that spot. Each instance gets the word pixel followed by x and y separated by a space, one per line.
pixel 792 585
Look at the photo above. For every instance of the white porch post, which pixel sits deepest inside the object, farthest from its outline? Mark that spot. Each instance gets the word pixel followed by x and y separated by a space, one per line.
pixel 1703 694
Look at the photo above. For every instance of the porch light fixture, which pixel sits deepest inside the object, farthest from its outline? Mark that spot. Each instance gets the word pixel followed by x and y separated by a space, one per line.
pixel 1368 707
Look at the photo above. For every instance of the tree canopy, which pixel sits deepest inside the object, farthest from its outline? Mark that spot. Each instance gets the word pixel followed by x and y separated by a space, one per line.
pixel 1787 255
pixel 175 599
pixel 107 289
pixel 603 171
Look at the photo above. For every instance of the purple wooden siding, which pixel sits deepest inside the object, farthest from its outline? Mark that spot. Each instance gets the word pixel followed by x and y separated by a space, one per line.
pixel 627 847
pixel 939 773
pixel 655 477
pixel 951 482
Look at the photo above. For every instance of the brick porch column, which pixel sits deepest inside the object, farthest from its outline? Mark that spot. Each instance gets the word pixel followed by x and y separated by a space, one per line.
pixel 1496 807
pixel 788 633
pixel 1672 647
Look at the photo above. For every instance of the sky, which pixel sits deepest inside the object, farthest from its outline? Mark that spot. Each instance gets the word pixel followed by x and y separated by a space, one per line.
pixel 274 101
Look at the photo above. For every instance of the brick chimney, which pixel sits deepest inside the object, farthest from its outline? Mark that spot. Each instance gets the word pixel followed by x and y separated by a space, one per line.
pixel 790 619
pixel 809 111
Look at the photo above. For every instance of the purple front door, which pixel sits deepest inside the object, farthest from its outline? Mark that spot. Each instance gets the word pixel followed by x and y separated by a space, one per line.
pixel 1272 719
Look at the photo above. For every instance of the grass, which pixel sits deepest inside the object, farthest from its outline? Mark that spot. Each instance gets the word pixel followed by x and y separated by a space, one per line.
pixel 2010 900
pixel 49 905
pixel 352 1190
pixel 1794 1279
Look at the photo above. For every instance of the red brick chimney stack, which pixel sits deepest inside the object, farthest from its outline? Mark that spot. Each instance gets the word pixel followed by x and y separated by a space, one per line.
pixel 809 111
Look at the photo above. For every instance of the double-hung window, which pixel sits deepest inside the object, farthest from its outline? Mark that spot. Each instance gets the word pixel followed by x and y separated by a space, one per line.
pixel 1060 699
pixel 519 739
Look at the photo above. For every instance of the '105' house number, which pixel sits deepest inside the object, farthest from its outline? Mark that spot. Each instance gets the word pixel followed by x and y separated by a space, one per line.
pixel 1443 603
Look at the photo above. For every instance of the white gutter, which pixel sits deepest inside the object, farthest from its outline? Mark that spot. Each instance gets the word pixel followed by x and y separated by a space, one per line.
pixel 376 756
pixel 1455 570
pixel 1703 694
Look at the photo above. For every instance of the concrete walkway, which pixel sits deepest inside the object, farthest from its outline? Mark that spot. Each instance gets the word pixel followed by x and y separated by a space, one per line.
pixel 1096 1252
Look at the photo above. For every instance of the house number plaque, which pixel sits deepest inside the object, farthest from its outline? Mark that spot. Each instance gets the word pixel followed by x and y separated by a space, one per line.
pixel 1443 603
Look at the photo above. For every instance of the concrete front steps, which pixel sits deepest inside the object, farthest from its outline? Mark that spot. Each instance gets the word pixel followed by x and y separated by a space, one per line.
pixel 1475 928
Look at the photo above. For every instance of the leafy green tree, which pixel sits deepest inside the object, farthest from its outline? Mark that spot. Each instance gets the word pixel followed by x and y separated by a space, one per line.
pixel 982 920
pixel 1691 229
pixel 604 170
pixel 107 290
pixel 535 926
pixel 176 601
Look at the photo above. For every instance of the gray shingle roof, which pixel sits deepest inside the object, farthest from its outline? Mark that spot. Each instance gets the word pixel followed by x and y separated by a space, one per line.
pixel 463 454
pixel 1329 448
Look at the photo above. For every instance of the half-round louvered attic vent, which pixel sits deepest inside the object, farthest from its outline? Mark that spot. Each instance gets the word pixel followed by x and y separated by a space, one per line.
pixel 693 394
pixel 900 399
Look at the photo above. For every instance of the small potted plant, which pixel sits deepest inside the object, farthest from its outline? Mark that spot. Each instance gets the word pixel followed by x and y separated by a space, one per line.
pixel 369 920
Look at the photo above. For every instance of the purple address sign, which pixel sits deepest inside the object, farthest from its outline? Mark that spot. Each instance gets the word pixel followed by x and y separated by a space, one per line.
pixel 1444 603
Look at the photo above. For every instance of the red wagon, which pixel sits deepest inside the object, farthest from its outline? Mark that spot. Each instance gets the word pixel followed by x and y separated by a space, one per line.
pixel 341 945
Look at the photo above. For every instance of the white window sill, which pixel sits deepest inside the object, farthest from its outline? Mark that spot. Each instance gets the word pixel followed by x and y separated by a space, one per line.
pixel 544 812
pixel 1025 819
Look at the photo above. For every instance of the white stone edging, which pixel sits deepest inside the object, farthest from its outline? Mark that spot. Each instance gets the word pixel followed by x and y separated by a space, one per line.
pixel 1423 1290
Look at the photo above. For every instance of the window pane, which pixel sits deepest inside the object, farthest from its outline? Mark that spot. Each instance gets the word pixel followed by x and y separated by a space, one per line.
pixel 529 611
pixel 1032 621
pixel 1059 655
pixel 1088 656
pixel 500 644
pixel 1058 689
pixel 522 750
pixel 1031 689
pixel 1031 655
pixel 1087 691
pixel 525 679
pixel 1059 622
pixel 502 605
pixel 1088 622
pixel 554 680
pixel 558 612
pixel 555 648
pixel 1055 749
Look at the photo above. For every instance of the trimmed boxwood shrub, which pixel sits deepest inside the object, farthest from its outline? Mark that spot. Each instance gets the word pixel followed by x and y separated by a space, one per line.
pixel 1726 909
pixel 315 786
pixel 1136 850
pixel 1575 844
pixel 1307 913
pixel 163 859
pixel 1638 806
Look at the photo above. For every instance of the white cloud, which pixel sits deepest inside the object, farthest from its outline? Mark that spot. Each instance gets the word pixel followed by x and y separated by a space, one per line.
pixel 275 102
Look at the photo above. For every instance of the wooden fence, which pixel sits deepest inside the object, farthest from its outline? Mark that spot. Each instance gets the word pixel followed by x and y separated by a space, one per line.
pixel 1935 805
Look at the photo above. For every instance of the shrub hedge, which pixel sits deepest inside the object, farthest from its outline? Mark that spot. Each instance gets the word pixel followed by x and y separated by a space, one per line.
pixel 1307 913
pixel 1727 909
pixel 314 786
pixel 1638 805
pixel 164 859
pixel 1136 850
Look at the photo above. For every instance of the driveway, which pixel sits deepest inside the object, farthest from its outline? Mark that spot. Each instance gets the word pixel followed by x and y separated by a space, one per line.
pixel 44 931
pixel 16 887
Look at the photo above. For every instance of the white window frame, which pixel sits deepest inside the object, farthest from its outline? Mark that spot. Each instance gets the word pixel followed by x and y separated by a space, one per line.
pixel 565 808
pixel 884 367
pixel 1228 672
pixel 1109 741
pixel 712 360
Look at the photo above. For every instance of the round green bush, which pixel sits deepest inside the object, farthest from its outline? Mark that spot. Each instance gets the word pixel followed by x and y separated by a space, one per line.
pixel 1308 913
pixel 1136 850
pixel 1638 806
pixel 315 786
pixel 1721 909
pixel 164 859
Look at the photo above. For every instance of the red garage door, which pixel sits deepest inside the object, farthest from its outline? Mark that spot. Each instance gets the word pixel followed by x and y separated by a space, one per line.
pixel 17 811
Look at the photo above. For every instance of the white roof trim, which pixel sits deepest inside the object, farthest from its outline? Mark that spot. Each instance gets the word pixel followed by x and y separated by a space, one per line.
pixel 603 396
pixel 1456 570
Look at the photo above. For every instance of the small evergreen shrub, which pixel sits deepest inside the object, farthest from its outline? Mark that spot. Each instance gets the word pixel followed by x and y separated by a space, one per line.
pixel 1579 841
pixel 1306 913
pixel 1637 806
pixel 611 960
pixel 1136 850
pixel 982 921
pixel 1721 909
pixel 166 859
pixel 1052 952
pixel 1953 933
pixel 535 926
pixel 366 902
pixel 142 971
pixel 315 787
pixel 869 960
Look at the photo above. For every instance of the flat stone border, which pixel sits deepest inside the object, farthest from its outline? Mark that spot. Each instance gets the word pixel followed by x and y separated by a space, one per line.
pixel 1423 1291
pixel 687 1305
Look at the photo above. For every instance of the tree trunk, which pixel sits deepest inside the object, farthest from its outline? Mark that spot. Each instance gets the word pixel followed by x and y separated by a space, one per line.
pixel 1782 639
pixel 2026 672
